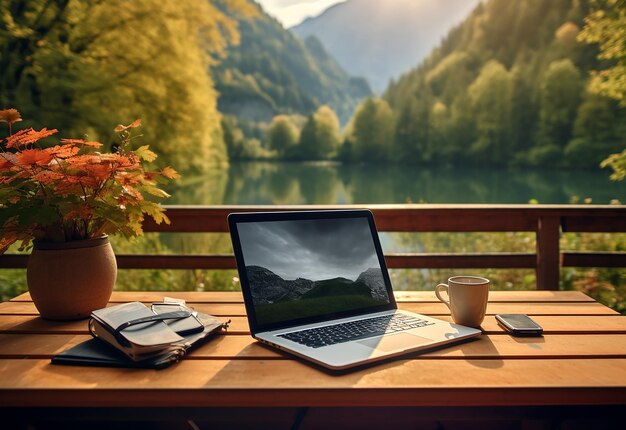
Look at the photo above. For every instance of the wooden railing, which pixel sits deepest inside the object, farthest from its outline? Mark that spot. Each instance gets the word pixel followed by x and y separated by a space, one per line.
pixel 546 221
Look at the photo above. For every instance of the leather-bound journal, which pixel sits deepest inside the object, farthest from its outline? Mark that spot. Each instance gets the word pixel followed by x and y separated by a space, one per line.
pixel 133 335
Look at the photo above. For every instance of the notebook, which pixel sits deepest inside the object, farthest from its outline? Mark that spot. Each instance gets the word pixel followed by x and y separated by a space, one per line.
pixel 151 345
pixel 315 284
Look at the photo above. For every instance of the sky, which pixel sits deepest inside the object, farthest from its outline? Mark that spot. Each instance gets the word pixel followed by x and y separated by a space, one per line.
pixel 311 249
pixel 293 12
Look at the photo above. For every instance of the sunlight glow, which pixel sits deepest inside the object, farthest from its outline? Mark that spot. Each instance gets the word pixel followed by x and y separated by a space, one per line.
pixel 293 12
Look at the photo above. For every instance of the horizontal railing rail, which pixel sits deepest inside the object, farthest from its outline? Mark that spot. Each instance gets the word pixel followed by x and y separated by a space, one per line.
pixel 546 221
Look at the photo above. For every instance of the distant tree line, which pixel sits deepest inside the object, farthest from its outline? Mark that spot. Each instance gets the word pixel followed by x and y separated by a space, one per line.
pixel 287 137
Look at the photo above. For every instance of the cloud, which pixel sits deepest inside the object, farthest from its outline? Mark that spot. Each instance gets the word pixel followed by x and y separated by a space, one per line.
pixel 311 249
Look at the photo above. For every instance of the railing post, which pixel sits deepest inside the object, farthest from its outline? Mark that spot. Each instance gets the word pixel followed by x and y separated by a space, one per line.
pixel 548 253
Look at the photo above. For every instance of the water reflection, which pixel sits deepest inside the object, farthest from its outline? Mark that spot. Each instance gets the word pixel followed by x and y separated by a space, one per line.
pixel 333 183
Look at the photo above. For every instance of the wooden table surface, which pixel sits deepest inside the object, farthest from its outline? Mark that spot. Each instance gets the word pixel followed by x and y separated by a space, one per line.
pixel 581 360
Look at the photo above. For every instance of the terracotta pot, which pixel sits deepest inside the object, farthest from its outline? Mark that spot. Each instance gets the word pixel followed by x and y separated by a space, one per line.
pixel 68 280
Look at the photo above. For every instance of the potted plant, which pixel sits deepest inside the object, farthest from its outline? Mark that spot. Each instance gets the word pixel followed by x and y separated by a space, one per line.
pixel 63 199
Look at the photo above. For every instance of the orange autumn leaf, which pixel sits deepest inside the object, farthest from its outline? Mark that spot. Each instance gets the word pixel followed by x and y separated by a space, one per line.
pixel 79 161
pixel 13 141
pixel 10 115
pixel 98 171
pixel 129 179
pixel 93 144
pixel 72 141
pixel 81 142
pixel 76 184
pixel 125 164
pixel 7 240
pixel 66 188
pixel 111 157
pixel 120 128
pixel 47 177
pixel 64 151
pixel 134 193
pixel 7 160
pixel 170 173
pixel 28 136
pixel 151 176
pixel 29 157
pixel 79 212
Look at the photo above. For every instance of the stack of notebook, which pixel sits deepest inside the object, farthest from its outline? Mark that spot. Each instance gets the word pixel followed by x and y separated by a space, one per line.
pixel 133 335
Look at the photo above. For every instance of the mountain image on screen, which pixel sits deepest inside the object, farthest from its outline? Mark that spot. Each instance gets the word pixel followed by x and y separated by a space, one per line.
pixel 277 299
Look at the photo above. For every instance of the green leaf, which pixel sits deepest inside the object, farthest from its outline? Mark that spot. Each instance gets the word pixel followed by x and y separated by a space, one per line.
pixel 145 154
pixel 150 189
pixel 156 212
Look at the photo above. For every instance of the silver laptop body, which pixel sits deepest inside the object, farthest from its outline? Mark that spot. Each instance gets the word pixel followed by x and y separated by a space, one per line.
pixel 315 284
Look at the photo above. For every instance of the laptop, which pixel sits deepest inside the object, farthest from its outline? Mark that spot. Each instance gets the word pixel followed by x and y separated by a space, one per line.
pixel 315 284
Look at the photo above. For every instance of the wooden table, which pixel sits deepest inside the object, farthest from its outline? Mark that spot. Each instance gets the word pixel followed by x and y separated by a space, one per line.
pixel 577 371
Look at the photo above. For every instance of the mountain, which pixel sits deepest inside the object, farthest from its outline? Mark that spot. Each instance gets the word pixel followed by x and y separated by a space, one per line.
pixel 272 72
pixel 381 39
pixel 267 287
pixel 373 278
pixel 337 287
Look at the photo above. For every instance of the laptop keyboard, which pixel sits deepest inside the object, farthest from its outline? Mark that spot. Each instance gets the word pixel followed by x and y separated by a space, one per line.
pixel 354 330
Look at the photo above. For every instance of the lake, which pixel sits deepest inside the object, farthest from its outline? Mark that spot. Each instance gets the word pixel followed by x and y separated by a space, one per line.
pixel 283 183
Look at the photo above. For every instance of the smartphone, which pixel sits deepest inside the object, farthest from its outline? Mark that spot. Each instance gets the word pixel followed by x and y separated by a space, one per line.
pixel 519 324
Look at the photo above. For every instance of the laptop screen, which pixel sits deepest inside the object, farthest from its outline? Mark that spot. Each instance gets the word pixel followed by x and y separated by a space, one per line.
pixel 307 269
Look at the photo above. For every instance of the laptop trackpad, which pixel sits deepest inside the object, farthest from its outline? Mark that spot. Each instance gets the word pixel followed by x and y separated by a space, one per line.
pixel 400 341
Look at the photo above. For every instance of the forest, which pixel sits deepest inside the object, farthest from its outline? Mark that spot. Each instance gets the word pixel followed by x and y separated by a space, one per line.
pixel 511 85
pixel 514 84
pixel 83 67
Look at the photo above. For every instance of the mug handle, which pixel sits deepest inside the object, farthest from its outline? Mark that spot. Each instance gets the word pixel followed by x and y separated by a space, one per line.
pixel 443 287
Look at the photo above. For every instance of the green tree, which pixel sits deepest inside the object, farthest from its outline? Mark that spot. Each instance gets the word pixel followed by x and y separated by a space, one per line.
pixel 524 116
pixel 84 67
pixel 440 131
pixel 412 128
pixel 306 148
pixel 560 95
pixel 490 95
pixel 598 130
pixel 319 138
pixel 328 131
pixel 462 129
pixel 282 135
pixel 372 131
pixel 234 138
pixel 606 26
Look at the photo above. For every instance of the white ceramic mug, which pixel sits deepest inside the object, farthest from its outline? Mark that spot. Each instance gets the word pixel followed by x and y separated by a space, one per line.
pixel 467 298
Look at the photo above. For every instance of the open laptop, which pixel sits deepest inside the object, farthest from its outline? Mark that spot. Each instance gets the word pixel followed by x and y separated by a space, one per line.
pixel 315 284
